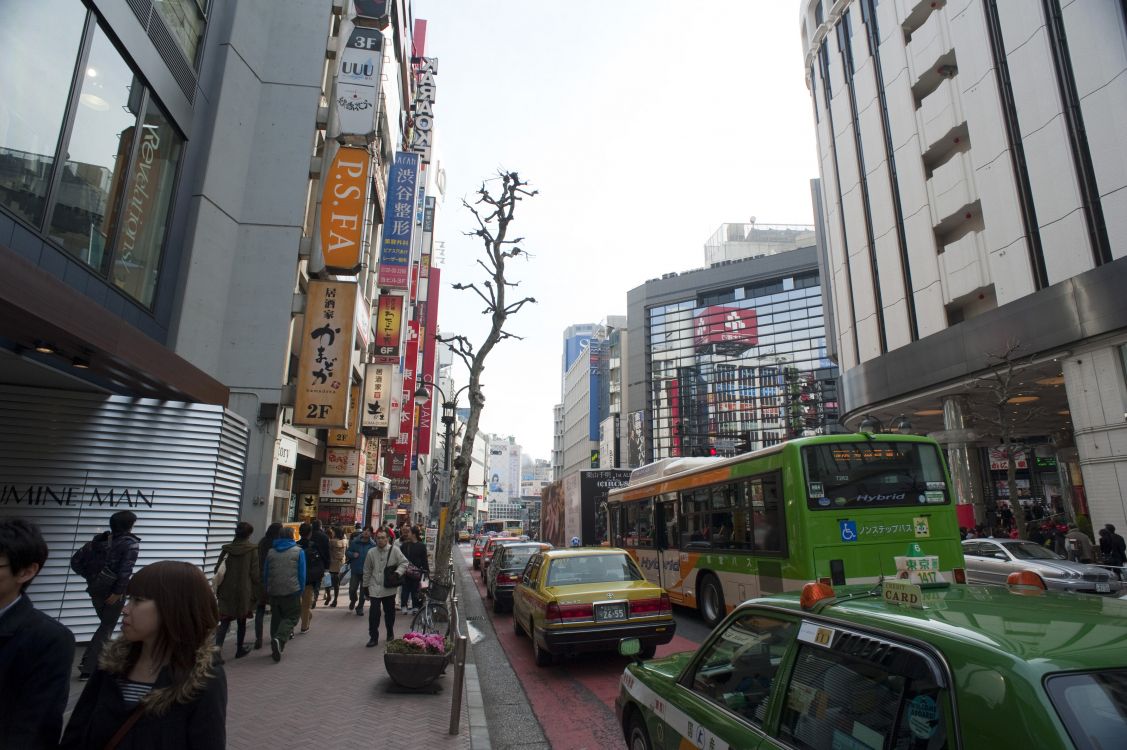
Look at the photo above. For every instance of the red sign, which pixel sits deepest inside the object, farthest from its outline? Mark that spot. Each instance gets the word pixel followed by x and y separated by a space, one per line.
pixel 386 325
pixel 401 450
pixel 728 328
pixel 430 331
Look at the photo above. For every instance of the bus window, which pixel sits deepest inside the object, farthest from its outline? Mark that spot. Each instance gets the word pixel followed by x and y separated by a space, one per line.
pixel 696 519
pixel 644 531
pixel 765 499
pixel 723 506
pixel 870 475
pixel 670 519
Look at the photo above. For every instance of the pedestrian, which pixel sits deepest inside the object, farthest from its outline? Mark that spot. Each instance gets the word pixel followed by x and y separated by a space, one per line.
pixel 383 570
pixel 236 592
pixel 416 553
pixel 265 544
pixel 321 541
pixel 1035 534
pixel 157 686
pixel 36 651
pixel 314 570
pixel 284 579
pixel 1118 553
pixel 357 552
pixel 337 548
pixel 107 586
pixel 1079 544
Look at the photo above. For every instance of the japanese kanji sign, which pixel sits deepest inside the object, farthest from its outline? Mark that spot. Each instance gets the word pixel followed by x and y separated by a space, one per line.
pixel 387 324
pixel 377 396
pixel 358 80
pixel 395 246
pixel 346 437
pixel 326 352
pixel 430 332
pixel 341 218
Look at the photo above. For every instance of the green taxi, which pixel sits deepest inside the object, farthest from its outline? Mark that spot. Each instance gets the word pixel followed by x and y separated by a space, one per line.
pixel 583 599
pixel 893 666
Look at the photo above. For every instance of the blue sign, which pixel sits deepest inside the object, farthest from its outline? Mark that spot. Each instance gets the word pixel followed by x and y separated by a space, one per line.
pixel 848 530
pixel 398 222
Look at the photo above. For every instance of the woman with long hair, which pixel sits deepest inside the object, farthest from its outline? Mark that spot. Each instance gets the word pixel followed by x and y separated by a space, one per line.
pixel 337 546
pixel 264 546
pixel 157 685
pixel 237 593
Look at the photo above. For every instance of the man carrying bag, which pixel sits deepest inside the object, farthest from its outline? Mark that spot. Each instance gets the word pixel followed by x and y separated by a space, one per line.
pixel 383 571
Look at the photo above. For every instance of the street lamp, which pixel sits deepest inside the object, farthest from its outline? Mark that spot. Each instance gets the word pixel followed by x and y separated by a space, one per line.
pixel 449 406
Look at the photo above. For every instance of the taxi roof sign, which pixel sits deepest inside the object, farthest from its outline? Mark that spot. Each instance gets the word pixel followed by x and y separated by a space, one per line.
pixel 902 593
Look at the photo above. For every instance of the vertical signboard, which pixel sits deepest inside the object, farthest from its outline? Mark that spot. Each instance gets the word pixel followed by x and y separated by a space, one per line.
pixel 345 437
pixel 428 235
pixel 326 352
pixel 422 111
pixel 430 333
pixel 358 76
pixel 340 218
pixel 395 245
pixel 387 326
pixel 377 397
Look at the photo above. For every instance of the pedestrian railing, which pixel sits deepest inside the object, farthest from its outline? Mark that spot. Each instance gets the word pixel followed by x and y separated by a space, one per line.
pixel 459 656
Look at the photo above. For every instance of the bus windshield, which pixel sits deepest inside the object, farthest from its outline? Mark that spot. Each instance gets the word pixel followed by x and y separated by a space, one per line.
pixel 885 474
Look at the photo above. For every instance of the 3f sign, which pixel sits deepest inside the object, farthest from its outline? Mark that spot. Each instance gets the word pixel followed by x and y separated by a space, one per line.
pixel 366 42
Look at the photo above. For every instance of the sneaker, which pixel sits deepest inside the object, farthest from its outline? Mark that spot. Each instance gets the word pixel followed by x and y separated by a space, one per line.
pixel 371 642
pixel 351 606
pixel 334 604
pixel 276 649
pixel 257 643
pixel 243 651
pixel 360 612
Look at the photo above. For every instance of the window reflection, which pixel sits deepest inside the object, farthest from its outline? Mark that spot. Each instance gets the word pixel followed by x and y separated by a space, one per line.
pixel 34 103
pixel 97 155
pixel 185 20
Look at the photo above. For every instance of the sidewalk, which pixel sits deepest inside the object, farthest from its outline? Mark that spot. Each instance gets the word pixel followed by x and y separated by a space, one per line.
pixel 331 691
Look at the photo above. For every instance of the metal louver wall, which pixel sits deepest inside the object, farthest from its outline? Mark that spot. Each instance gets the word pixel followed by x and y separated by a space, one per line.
pixel 70 460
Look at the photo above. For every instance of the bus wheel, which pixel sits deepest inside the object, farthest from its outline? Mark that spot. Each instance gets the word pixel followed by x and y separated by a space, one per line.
pixel 710 600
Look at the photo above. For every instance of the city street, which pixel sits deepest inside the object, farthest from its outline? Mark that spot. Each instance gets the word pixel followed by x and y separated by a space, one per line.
pixel 573 700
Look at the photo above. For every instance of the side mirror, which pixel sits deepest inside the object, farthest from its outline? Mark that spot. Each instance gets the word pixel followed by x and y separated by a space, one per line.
pixel 1001 556
pixel 630 648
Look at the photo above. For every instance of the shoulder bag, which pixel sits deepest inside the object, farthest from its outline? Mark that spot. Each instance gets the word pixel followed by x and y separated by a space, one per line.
pixel 123 730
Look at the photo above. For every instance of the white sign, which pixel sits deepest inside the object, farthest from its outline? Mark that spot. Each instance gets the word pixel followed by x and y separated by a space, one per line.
pixel 903 593
pixel 919 569
pixel 422 130
pixel 285 452
pixel 342 462
pixel 337 489
pixel 377 396
pixel 358 76
pixel 431 541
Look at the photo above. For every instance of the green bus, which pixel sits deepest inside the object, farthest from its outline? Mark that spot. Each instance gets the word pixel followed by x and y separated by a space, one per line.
pixel 714 532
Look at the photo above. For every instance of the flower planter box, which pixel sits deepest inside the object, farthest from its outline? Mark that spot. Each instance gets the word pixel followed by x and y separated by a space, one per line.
pixel 414 670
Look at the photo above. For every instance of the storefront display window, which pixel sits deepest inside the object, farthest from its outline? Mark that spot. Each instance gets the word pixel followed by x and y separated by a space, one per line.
pixel 33 108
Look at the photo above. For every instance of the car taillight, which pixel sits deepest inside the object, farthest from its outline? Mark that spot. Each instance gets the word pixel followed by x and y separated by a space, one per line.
pixel 506 578
pixel 960 575
pixel 649 607
pixel 568 612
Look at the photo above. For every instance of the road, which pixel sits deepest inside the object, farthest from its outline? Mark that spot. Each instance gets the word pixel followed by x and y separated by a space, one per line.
pixel 574 699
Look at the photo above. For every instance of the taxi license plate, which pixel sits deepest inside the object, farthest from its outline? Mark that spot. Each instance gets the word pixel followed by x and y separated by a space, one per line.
pixel 1103 588
pixel 614 611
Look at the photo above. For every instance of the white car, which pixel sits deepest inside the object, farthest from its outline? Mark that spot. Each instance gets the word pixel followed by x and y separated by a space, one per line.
pixel 992 560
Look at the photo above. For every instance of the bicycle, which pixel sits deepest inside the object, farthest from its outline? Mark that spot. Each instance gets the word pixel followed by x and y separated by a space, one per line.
pixel 433 617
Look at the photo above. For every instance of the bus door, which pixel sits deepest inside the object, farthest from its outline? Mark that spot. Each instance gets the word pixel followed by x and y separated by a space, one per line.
pixel 641 538
pixel 667 537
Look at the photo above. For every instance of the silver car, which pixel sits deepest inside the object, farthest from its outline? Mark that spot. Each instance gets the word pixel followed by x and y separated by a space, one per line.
pixel 992 560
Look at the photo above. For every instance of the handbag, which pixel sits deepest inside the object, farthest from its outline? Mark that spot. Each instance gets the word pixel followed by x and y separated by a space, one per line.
pixel 413 574
pixel 220 573
pixel 391 577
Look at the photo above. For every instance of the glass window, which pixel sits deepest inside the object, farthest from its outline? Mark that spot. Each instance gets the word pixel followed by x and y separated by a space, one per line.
pixel 97 155
pixel 140 235
pixel 767 523
pixel 737 670
pixel 34 103
pixel 185 19
pixel 849 475
pixel 837 700
pixel 1093 707
pixel 564 571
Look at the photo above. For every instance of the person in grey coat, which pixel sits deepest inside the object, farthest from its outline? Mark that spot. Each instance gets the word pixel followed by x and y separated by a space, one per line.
pixel 382 596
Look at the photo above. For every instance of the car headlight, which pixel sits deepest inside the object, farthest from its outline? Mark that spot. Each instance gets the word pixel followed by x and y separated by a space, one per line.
pixel 1061 574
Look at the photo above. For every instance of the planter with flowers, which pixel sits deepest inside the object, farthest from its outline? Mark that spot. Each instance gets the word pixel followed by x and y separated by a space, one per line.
pixel 416 660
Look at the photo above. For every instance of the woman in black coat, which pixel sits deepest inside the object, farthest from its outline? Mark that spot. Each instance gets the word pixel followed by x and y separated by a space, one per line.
pixel 157 686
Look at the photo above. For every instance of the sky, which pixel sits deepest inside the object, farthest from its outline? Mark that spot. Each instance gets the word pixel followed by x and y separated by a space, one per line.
pixel 644 125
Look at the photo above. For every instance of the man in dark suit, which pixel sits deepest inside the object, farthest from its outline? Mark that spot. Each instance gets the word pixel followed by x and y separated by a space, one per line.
pixel 36 651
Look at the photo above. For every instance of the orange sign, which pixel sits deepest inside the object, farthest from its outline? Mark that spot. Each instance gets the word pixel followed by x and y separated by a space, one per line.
pixel 345 437
pixel 324 374
pixel 342 209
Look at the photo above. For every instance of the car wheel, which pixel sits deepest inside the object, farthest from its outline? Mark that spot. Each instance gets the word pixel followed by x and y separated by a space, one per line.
pixel 637 738
pixel 488 592
pixel 542 657
pixel 517 630
pixel 648 650
pixel 497 606
pixel 710 600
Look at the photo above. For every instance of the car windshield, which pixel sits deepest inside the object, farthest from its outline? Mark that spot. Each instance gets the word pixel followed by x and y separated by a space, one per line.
pixel 516 557
pixel 592 569
pixel 1030 551
pixel 1093 707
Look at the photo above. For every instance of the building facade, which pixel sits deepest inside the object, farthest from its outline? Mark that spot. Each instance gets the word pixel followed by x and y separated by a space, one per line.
pixel 972 201
pixel 728 359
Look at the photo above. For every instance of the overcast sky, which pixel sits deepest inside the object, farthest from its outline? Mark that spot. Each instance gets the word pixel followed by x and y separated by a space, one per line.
pixel 644 124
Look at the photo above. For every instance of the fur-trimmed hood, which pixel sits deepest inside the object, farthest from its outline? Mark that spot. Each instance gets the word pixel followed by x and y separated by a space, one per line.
pixel 115 657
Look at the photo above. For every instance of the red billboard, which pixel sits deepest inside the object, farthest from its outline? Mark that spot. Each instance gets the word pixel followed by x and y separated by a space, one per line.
pixel 726 328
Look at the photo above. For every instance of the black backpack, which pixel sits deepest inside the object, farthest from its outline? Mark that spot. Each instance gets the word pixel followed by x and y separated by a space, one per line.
pixel 93 557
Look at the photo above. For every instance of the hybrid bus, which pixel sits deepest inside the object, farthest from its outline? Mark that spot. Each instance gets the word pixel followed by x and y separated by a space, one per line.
pixel 510 526
pixel 714 532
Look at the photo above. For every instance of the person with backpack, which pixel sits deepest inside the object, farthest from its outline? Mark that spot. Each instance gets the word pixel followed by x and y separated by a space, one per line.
pixel 284 577
pixel 265 544
pixel 106 563
pixel 315 567
pixel 319 538
pixel 358 550
pixel 236 592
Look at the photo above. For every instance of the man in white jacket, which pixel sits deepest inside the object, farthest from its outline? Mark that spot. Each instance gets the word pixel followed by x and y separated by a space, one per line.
pixel 379 563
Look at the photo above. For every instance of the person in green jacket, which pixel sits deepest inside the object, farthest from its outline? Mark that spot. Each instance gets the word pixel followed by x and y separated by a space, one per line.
pixel 236 592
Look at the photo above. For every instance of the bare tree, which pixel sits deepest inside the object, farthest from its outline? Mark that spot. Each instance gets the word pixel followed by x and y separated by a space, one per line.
pixel 494 213
pixel 1001 418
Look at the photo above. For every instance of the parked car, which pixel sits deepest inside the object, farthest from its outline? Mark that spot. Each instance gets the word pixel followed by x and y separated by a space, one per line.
pixel 491 546
pixel 478 544
pixel 463 535
pixel 505 571
pixel 968 666
pixel 588 599
pixel 992 560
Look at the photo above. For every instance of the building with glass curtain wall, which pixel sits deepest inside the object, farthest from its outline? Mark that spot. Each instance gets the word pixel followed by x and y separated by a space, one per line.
pixel 729 359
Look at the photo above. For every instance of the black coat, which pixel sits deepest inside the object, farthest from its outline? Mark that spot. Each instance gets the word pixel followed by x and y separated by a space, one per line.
pixel 36 655
pixel 192 716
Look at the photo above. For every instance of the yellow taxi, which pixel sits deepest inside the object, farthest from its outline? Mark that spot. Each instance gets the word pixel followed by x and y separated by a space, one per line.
pixel 588 599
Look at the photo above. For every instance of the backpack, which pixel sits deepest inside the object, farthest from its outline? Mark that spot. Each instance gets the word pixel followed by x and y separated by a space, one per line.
pixel 92 558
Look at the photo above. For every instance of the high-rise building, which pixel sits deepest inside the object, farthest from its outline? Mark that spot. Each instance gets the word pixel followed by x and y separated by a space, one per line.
pixel 975 218
pixel 752 240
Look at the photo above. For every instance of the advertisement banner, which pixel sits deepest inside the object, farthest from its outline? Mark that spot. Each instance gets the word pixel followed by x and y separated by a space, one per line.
pixel 377 396
pixel 338 489
pixel 427 245
pixel 359 66
pixel 403 446
pixel 340 219
pixel 342 462
pixel 346 437
pixel 422 111
pixel 387 326
pixel 728 329
pixel 430 332
pixel 326 352
pixel 395 245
